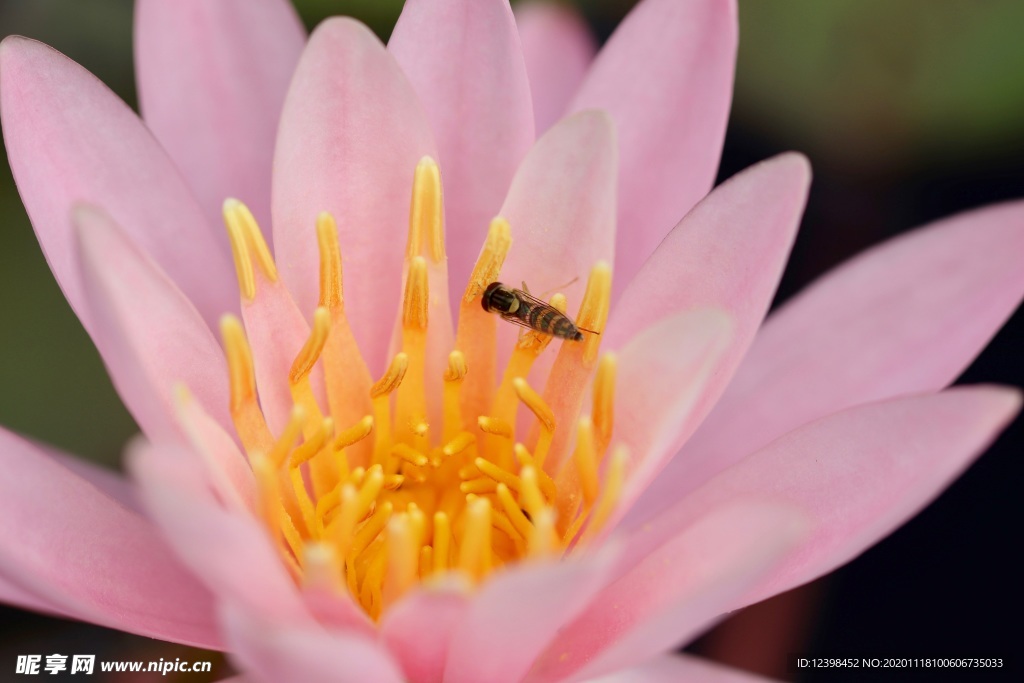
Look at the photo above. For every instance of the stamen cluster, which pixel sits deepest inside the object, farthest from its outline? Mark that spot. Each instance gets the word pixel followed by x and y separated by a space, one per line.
pixel 360 489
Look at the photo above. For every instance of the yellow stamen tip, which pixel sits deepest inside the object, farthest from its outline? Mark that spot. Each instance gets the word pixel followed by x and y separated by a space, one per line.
pixel 247 243
pixel 393 377
pixel 239 356
pixel 313 348
pixel 492 257
pixel 417 295
pixel 426 217
pixel 456 367
pixel 331 291
pixel 537 405
pixel 494 425
pixel 594 308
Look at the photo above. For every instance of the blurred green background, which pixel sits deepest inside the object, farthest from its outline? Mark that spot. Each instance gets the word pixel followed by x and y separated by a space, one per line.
pixel 908 110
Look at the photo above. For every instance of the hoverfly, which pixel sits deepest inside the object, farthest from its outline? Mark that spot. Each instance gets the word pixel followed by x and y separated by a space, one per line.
pixel 520 307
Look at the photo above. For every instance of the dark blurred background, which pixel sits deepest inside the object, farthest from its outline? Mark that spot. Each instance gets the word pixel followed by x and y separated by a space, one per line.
pixel 909 111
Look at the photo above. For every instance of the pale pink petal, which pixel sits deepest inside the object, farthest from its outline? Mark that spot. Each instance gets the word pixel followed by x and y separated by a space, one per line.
pixel 728 253
pixel 66 542
pixel 680 669
pixel 858 474
pixel 661 375
pixel 276 331
pixel 561 208
pixel 464 60
pixel 665 76
pixel 12 594
pixel 114 484
pixel 418 630
pixel 212 78
pixel 517 613
pixel 905 317
pixel 69 139
pixel 558 48
pixel 674 591
pixel 226 468
pixel 351 135
pixel 150 335
pixel 271 652
pixel 228 550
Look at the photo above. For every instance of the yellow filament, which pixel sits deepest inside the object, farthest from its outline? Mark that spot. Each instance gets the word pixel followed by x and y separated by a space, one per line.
pixel 373 527
pixel 535 403
pixel 354 434
pixel 542 478
pixel 403 547
pixel 245 409
pixel 426 222
pixel 452 394
pixel 513 512
pixel 311 350
pixel 610 495
pixel 497 474
pixel 331 289
pixel 461 442
pixel 409 455
pixel 594 309
pixel 604 400
pixel 492 257
pixel 475 550
pixel 585 460
pixel 247 243
pixel 286 442
pixel 442 541
pixel 417 297
pixel 496 426
pixel 532 499
pixel 379 392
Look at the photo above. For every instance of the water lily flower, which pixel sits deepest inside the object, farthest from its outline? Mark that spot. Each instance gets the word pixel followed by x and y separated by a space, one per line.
pixel 370 477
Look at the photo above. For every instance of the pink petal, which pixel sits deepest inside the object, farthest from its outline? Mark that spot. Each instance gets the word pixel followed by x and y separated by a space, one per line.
pixel 464 60
pixel 680 669
pixel 276 331
pixel 212 78
pixel 69 139
pixel 418 630
pixel 150 335
pixel 558 49
pixel 69 544
pixel 516 615
pixel 661 375
pixel 228 550
pixel 351 135
pixel 561 208
pixel 728 253
pixel 665 76
pixel 12 594
pixel 858 474
pixel 115 485
pixel 905 317
pixel 271 652
pixel 674 591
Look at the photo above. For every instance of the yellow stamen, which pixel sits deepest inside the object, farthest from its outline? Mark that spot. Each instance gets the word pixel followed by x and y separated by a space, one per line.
pixel 543 479
pixel 286 442
pixel 513 512
pixel 604 400
pixel 475 550
pixel 585 460
pixel 477 332
pixel 613 480
pixel 497 474
pixel 461 442
pixel 380 392
pixel 442 541
pixel 331 288
pixel 493 425
pixel 245 408
pixel 247 243
pixel 532 499
pixel 452 390
pixel 426 222
pixel 543 541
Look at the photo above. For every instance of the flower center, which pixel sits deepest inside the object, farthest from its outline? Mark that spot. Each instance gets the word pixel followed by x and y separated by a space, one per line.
pixel 363 491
